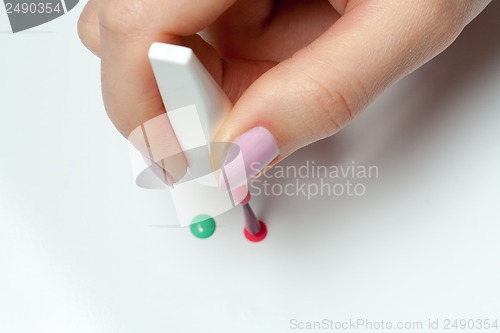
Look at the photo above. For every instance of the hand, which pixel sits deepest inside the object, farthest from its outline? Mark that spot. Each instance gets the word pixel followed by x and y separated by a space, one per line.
pixel 298 71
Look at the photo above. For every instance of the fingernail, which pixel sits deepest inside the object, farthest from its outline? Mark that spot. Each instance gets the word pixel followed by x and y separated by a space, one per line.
pixel 257 148
pixel 157 144
pixel 160 171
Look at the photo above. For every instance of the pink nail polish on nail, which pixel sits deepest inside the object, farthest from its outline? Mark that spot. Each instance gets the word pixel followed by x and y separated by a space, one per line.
pixel 257 148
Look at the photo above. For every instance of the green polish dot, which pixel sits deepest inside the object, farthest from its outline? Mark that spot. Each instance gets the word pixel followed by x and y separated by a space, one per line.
pixel 202 226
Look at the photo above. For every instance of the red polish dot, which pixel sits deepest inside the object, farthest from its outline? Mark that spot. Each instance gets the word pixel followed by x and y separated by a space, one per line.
pixel 257 237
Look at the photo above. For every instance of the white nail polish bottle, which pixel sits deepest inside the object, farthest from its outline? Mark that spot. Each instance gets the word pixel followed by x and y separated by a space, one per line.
pixel 195 104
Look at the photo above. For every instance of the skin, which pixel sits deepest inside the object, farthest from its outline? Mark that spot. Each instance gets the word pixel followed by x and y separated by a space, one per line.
pixel 301 68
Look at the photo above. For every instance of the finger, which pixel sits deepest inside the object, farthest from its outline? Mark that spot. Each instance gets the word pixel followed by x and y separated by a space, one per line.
pixel 88 27
pixel 325 85
pixel 127 29
pixel 272 30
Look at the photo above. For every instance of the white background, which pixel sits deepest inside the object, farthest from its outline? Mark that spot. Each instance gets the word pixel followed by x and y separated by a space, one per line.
pixel 79 250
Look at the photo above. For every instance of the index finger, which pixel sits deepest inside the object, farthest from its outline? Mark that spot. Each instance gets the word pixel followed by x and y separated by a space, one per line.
pixel 131 96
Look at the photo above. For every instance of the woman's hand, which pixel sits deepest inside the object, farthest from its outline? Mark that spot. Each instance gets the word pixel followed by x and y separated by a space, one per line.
pixel 302 69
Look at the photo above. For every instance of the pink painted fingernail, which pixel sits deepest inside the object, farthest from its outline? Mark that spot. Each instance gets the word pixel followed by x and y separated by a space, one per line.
pixel 257 148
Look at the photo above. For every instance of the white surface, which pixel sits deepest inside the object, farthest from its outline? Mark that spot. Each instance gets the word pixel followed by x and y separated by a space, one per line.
pixel 78 252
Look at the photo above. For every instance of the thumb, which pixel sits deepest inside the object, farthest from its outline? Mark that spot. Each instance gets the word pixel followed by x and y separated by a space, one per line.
pixel 317 91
